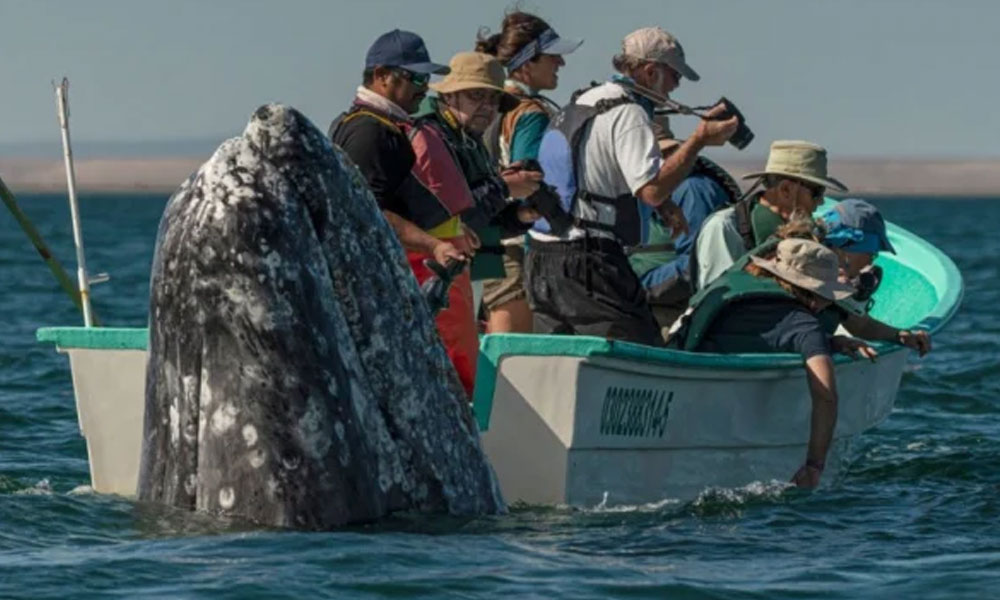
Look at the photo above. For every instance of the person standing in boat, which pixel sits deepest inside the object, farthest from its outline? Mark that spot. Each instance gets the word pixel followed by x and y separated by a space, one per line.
pixel 795 181
pixel 373 133
pixel 453 164
pixel 601 155
pixel 855 231
pixel 532 53
pixel 662 265
pixel 777 305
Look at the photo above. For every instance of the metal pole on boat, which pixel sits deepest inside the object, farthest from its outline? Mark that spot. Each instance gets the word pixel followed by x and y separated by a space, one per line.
pixel 62 90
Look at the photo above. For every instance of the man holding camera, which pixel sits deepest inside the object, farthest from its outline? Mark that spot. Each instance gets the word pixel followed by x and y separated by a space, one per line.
pixel 612 174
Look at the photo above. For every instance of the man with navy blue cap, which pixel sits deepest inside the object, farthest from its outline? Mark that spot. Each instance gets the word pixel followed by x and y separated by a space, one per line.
pixel 374 134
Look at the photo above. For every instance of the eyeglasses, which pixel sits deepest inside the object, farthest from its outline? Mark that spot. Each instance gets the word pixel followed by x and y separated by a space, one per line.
pixel 417 79
pixel 487 97
pixel 816 192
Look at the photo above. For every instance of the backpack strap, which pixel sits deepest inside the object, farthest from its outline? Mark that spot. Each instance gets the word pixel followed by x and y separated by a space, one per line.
pixel 744 223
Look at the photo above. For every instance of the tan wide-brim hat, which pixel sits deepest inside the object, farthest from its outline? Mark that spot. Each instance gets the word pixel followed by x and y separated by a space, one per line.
pixel 808 265
pixel 798 160
pixel 476 71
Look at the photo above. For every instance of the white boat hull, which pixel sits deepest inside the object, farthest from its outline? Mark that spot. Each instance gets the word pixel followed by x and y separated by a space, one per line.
pixel 572 430
pixel 584 430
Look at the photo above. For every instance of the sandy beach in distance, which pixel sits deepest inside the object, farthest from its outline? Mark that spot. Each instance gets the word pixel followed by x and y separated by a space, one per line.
pixel 874 176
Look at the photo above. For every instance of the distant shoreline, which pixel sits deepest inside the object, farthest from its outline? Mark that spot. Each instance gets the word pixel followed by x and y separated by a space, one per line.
pixel 865 176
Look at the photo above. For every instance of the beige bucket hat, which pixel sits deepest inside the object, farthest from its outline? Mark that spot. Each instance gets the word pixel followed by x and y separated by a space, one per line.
pixel 808 265
pixel 476 70
pixel 798 160
pixel 656 45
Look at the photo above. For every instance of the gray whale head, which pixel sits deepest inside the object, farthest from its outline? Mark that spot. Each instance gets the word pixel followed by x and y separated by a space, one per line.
pixel 295 376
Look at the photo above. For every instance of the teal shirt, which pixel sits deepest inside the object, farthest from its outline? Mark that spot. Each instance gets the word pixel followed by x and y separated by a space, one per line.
pixel 527 136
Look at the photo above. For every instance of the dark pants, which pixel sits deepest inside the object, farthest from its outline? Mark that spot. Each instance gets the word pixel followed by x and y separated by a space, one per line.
pixel 587 287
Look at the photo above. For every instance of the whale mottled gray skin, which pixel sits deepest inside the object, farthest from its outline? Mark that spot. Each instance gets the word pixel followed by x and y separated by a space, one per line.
pixel 295 376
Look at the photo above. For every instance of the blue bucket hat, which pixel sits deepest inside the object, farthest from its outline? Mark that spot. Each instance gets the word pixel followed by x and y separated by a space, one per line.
pixel 547 42
pixel 856 226
pixel 403 49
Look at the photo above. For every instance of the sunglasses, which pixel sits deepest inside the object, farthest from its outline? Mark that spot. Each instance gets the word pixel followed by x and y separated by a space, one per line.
pixel 417 79
pixel 816 192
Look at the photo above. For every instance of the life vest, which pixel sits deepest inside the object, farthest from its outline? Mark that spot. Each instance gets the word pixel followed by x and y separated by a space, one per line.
pixel 488 189
pixel 559 158
pixel 733 286
pixel 426 211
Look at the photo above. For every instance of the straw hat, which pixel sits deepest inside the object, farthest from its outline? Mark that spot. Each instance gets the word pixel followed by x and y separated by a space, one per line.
pixel 798 160
pixel 475 70
pixel 808 265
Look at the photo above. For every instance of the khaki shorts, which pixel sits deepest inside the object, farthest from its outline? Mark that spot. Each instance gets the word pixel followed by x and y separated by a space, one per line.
pixel 497 292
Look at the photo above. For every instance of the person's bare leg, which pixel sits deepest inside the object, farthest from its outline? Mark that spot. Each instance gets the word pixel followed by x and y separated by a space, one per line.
pixel 511 317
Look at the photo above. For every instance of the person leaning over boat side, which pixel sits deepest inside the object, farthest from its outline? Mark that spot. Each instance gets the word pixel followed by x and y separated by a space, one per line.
pixel 773 305
pixel 373 133
pixel 663 267
pixel 794 180
pixel 855 231
pixel 452 162
pixel 532 53
pixel 579 280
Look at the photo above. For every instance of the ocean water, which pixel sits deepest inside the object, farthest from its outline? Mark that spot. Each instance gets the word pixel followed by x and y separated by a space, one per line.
pixel 917 515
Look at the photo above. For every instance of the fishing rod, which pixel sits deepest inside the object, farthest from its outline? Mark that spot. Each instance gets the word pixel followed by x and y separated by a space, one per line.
pixel 43 250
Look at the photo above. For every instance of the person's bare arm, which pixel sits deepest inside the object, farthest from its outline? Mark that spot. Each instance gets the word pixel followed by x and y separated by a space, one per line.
pixel 823 390
pixel 863 326
pixel 416 239
pixel 678 165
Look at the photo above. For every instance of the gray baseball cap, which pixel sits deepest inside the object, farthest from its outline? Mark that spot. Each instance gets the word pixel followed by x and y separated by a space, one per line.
pixel 656 45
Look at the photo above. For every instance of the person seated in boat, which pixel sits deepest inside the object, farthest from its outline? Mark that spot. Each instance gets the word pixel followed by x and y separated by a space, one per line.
pixel 663 265
pixel 794 182
pixel 855 231
pixel 532 53
pixel 775 305
pixel 451 162
pixel 604 162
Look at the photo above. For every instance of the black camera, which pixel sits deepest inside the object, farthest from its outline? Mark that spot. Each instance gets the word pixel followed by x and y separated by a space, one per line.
pixel 743 136
pixel 867 282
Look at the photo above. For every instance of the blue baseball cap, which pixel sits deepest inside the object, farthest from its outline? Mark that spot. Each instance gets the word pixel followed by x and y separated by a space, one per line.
pixel 856 226
pixel 403 49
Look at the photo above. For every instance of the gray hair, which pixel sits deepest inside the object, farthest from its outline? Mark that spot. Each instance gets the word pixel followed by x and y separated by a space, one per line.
pixel 626 64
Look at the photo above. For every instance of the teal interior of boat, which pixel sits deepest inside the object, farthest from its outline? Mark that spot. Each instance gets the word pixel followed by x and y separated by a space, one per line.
pixel 922 288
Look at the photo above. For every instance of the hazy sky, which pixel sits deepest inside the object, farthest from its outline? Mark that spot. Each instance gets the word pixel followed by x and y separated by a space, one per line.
pixel 890 77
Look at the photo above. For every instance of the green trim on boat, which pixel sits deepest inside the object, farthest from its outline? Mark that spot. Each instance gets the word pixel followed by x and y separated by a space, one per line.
pixel 95 338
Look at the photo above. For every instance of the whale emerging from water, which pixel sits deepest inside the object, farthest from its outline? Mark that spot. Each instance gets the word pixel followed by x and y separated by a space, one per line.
pixel 295 376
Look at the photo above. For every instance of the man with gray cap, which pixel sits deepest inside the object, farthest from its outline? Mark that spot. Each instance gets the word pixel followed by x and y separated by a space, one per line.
pixel 601 156
pixel 795 180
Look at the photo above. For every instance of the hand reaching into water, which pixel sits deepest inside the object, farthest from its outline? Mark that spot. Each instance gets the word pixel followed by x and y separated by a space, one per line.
pixel 807 476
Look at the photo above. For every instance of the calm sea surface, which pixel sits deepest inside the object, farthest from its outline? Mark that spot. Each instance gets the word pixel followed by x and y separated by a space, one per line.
pixel 918 515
